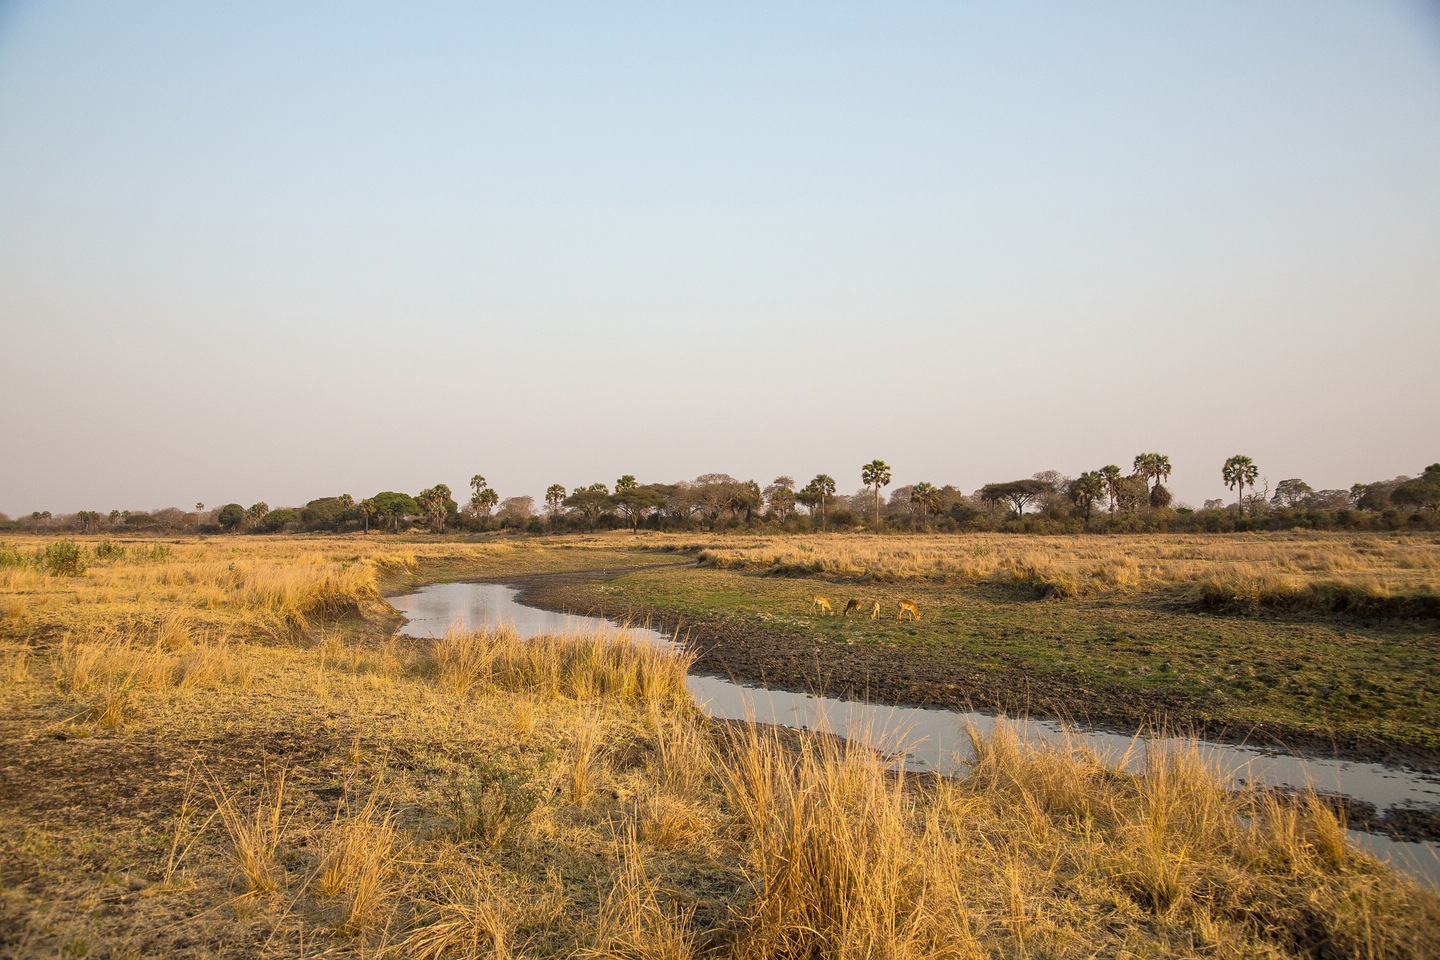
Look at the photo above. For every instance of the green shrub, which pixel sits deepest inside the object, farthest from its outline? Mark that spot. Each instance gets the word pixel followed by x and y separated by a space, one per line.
pixel 11 557
pixel 63 558
pixel 109 550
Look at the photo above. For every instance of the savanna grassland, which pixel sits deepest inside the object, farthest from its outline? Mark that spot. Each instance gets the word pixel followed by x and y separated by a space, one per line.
pixel 219 749
pixel 1320 640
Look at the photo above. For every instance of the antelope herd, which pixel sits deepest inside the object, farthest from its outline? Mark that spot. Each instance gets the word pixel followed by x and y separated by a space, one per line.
pixel 857 607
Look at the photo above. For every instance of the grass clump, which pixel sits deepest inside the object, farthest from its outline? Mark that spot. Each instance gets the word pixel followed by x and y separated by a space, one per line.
pixel 255 832
pixel 358 862
pixel 1249 589
pixel 601 663
pixel 637 920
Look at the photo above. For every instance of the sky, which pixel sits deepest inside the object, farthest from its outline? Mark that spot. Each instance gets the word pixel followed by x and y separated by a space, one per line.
pixel 274 251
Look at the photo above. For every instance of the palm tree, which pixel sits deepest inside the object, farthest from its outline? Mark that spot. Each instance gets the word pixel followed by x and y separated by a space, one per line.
pixel 555 497
pixel 1153 466
pixel 1085 489
pixel 435 501
pixel 1111 476
pixel 367 510
pixel 1239 472
pixel 926 498
pixel 876 474
pixel 820 490
pixel 485 501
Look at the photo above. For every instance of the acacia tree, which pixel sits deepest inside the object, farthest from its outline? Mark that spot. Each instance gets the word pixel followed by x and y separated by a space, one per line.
pixel 876 474
pixel 781 496
pixel 1291 493
pixel 1016 493
pixel 1239 472
pixel 394 507
pixel 1153 466
pixel 1423 492
pixel 637 501
pixel 590 502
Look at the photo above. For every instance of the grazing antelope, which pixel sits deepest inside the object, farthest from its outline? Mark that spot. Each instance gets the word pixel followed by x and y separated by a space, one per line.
pixel 818 602
pixel 907 605
pixel 859 608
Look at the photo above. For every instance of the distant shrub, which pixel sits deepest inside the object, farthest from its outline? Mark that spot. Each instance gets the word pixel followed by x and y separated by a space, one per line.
pixel 63 558
pixel 109 550
pixel 11 557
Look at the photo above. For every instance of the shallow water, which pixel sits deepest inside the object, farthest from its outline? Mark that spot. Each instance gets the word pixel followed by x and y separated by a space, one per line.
pixel 935 739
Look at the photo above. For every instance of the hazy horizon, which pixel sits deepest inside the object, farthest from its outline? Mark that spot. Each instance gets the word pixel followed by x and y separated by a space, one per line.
pixel 276 253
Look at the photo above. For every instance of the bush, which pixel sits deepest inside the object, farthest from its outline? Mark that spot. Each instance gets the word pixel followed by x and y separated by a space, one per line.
pixel 63 558
pixel 231 516
pixel 109 550
pixel 490 803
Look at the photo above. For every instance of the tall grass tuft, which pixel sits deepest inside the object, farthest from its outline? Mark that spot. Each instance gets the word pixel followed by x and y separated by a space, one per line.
pixel 840 863
pixel 637 922
pixel 255 834
pixel 612 665
pixel 357 861
pixel 467 917
pixel 582 771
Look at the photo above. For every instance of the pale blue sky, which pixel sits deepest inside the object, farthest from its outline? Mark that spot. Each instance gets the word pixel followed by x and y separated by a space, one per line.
pixel 279 251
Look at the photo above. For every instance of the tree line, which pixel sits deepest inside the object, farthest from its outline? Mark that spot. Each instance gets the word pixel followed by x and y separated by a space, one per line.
pixel 1107 499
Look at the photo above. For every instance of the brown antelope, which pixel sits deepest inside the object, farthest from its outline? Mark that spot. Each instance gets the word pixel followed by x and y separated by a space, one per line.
pixel 859 608
pixel 910 606
pixel 818 602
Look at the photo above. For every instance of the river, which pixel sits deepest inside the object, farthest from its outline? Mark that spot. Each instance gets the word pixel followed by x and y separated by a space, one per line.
pixel 934 739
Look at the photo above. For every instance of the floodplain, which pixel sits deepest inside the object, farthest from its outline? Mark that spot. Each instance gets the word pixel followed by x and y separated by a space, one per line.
pixel 220 748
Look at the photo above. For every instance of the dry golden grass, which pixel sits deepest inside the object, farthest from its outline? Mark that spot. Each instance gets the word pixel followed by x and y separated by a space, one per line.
pixel 255 826
pixel 1330 566
pixel 465 916
pixel 601 814
pixel 583 665
pixel 637 921
pixel 358 861
pixel 849 860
